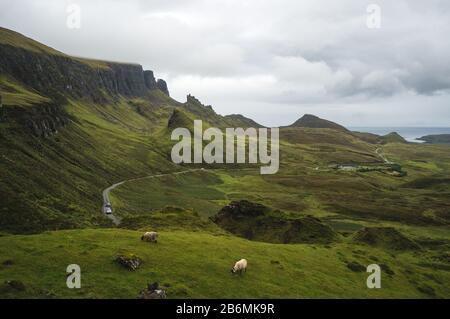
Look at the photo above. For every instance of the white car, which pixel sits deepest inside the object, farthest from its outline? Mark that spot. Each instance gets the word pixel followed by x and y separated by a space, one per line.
pixel 107 210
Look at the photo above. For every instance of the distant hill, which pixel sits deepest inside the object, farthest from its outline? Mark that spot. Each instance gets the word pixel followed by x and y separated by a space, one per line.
pixel 242 121
pixel 436 139
pixel 207 113
pixel 393 137
pixel 371 138
pixel 312 121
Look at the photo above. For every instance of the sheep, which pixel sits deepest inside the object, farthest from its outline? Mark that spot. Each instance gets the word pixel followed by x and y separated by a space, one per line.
pixel 240 266
pixel 150 237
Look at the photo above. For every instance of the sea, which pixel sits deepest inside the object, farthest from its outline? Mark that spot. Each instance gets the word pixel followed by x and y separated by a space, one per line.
pixel 408 133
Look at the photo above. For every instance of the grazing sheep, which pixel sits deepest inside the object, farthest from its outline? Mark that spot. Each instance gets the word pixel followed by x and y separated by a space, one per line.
pixel 240 266
pixel 150 237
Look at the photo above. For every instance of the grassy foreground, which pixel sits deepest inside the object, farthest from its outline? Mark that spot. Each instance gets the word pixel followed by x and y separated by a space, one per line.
pixel 197 265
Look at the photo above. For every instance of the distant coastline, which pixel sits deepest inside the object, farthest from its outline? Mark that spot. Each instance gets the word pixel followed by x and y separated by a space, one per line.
pixel 436 139
pixel 411 134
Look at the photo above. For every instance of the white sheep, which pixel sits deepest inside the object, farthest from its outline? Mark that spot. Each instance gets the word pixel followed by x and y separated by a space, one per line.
pixel 240 266
pixel 150 237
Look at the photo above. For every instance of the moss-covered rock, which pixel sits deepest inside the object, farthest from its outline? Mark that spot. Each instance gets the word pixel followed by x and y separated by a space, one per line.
pixel 260 223
pixel 385 237
pixel 129 261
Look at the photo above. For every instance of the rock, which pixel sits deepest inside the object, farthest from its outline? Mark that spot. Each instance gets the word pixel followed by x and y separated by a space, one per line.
pixel 257 222
pixel 193 100
pixel 152 287
pixel 385 237
pixel 41 120
pixel 150 81
pixel 15 285
pixel 153 292
pixel 355 266
pixel 8 262
pixel 131 262
pixel 162 85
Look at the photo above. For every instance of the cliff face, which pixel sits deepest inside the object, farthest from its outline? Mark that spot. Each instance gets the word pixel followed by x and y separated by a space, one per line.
pixel 42 121
pixel 58 77
pixel 162 85
pixel 59 74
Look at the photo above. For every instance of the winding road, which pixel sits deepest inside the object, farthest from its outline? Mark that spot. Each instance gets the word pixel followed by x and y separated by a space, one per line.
pixel 383 157
pixel 116 220
pixel 106 191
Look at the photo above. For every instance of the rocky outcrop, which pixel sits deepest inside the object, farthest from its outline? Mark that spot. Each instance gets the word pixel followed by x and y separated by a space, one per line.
pixel 385 237
pixel 260 223
pixel 41 120
pixel 150 81
pixel 190 99
pixel 162 85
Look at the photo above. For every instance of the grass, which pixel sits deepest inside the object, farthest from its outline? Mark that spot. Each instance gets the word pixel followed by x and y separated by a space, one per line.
pixel 16 95
pixel 52 185
pixel 200 266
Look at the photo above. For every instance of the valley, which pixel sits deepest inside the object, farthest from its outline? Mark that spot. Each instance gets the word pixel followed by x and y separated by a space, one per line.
pixel 71 144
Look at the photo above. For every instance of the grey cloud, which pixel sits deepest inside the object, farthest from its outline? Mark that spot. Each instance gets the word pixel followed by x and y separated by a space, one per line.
pixel 260 57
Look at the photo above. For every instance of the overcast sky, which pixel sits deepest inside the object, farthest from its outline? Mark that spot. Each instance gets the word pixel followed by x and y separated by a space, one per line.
pixel 270 60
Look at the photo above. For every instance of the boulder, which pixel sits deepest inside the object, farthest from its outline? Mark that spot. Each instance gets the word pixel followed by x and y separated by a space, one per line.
pixel 153 291
pixel 130 262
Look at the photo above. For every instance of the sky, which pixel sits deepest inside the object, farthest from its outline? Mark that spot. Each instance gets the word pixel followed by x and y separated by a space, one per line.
pixel 356 62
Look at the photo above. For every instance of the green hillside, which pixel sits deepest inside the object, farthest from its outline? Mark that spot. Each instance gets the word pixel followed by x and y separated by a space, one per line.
pixel 197 265
pixel 64 139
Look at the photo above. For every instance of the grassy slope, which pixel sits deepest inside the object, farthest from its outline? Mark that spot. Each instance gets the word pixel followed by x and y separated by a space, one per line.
pixel 200 264
pixel 56 183
pixel 14 94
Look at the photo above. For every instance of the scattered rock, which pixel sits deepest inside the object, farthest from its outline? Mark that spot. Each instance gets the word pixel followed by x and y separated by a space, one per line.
pixel 47 293
pixel 131 262
pixel 8 262
pixel 153 291
pixel 15 285
pixel 444 257
pixel 356 267
pixel 386 269
pixel 427 290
